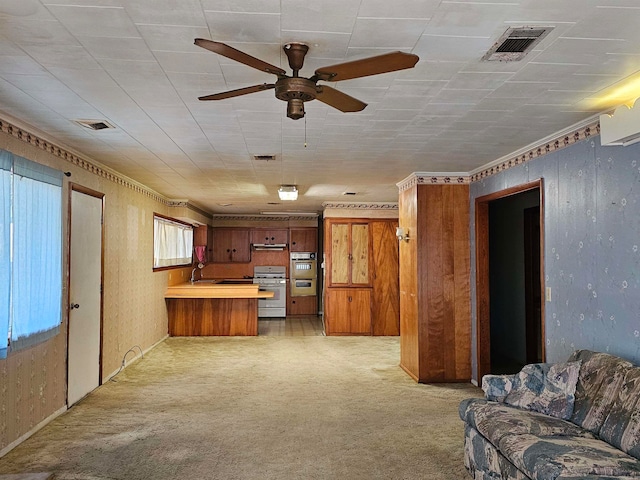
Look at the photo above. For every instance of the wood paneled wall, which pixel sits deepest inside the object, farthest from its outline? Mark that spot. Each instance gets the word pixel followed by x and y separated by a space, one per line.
pixel 435 302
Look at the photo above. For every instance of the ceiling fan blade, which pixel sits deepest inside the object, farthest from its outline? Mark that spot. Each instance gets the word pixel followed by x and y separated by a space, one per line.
pixel 336 99
pixel 238 92
pixel 389 62
pixel 238 56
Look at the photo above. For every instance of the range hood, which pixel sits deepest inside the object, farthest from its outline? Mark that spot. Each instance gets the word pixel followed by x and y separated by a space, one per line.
pixel 269 246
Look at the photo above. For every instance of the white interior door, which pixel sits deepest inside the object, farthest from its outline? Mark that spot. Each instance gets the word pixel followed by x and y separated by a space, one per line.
pixel 85 278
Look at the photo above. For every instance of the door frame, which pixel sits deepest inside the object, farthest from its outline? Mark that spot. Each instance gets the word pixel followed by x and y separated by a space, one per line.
pixel 483 301
pixel 74 187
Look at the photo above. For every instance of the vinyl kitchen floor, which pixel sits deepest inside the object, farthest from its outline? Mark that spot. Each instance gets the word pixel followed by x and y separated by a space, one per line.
pixel 302 326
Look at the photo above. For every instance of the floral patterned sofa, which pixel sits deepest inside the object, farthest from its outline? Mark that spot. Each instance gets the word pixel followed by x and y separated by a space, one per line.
pixel 537 425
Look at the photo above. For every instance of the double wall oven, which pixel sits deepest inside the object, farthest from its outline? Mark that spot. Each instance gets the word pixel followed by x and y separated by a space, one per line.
pixel 303 274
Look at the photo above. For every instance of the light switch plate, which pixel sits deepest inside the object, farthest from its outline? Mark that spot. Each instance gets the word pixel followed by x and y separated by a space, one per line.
pixel 548 294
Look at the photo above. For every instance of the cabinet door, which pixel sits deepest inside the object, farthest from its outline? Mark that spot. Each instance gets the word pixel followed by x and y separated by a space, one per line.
pixel 303 239
pixel 359 300
pixel 385 297
pixel 339 254
pixel 303 306
pixel 222 239
pixel 231 245
pixel 348 311
pixel 360 254
pixel 209 243
pixel 269 236
pixel 240 247
pixel 337 311
pixel 200 235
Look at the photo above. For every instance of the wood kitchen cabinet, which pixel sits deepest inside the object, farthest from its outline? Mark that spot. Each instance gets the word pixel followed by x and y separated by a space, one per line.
pixel 349 258
pixel 269 236
pixel 231 245
pixel 348 311
pixel 302 305
pixel 303 239
pixel 203 236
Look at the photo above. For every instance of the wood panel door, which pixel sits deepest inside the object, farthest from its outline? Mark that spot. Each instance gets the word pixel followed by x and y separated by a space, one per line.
pixel 360 254
pixel 385 302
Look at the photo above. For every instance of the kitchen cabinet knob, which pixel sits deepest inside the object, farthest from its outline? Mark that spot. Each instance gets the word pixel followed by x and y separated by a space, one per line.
pixel 294 243
pixel 234 250
pixel 228 250
pixel 73 306
pixel 350 298
pixel 273 238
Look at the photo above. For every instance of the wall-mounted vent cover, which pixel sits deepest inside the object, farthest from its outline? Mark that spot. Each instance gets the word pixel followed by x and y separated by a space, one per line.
pixel 264 158
pixel 516 43
pixel 94 124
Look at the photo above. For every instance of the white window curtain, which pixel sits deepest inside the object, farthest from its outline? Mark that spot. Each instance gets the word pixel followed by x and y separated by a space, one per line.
pixel 34 263
pixel 172 243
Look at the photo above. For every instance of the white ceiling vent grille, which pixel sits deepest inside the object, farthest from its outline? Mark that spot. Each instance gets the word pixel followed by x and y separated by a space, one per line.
pixel 516 43
pixel 94 124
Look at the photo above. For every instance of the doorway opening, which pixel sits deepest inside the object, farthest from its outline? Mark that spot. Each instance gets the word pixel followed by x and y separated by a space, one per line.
pixel 509 260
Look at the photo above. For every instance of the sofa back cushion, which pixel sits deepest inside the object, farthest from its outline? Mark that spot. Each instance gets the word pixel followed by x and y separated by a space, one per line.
pixel 600 379
pixel 622 426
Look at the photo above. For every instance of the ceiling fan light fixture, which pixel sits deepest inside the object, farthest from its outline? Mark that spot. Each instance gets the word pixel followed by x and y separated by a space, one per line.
pixel 288 192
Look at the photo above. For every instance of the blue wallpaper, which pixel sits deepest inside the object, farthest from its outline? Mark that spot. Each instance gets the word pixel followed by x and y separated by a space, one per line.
pixel 591 246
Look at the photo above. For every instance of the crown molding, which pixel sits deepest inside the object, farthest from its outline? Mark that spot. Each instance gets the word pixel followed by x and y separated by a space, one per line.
pixel 262 218
pixel 433 178
pixel 361 205
pixel 186 204
pixel 554 142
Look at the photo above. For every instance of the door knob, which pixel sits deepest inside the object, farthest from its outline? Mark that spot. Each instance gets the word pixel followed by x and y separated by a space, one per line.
pixel 73 306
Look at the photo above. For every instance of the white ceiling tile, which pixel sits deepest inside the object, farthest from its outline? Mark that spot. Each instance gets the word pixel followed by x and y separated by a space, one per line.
pixel 95 21
pixel 244 27
pixel 116 48
pixel 319 16
pixel 172 38
pixel 166 12
pixel 387 33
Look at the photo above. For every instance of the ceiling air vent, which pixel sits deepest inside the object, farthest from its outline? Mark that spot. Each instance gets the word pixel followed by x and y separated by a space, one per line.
pixel 94 124
pixel 516 43
pixel 264 158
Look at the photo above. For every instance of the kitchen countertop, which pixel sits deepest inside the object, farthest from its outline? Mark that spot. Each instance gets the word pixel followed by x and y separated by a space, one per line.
pixel 217 288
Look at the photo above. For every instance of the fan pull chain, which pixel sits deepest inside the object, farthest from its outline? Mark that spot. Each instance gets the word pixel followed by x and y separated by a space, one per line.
pixel 305 131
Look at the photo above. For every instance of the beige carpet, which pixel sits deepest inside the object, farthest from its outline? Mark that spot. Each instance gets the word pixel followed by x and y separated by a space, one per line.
pixel 257 408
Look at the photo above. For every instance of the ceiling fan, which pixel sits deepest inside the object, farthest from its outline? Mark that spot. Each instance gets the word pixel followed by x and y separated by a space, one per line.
pixel 296 90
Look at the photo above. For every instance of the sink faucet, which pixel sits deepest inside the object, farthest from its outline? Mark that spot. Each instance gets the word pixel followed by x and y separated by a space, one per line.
pixel 193 274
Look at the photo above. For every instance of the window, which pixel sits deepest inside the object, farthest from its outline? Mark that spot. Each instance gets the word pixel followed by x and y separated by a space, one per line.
pixel 172 242
pixel 30 252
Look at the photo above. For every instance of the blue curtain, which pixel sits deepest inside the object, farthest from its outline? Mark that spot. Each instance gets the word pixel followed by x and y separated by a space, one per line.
pixel 5 248
pixel 35 296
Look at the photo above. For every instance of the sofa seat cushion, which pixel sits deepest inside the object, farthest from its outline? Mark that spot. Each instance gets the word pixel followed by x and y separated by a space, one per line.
pixel 622 426
pixel 495 420
pixel 554 458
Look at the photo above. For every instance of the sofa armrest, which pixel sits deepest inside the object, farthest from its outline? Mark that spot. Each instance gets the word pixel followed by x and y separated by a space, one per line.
pixel 497 387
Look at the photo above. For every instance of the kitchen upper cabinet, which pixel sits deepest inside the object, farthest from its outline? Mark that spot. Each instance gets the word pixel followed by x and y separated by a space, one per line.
pixel 348 311
pixel 203 236
pixel 349 253
pixel 303 239
pixel 269 236
pixel 231 245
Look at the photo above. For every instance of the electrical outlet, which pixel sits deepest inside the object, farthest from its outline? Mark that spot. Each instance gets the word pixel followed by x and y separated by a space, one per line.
pixel 548 294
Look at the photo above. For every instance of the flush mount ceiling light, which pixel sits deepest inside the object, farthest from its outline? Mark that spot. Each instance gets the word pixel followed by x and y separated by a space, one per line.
pixel 288 192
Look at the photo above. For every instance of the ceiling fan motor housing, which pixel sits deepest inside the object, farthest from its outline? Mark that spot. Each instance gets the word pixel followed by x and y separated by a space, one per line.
pixel 295 91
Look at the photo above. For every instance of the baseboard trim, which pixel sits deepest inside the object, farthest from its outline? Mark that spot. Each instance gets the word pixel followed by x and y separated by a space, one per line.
pixel 22 438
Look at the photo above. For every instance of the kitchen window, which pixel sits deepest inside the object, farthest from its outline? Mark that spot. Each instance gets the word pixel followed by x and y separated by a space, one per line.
pixel 30 252
pixel 172 243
